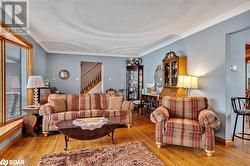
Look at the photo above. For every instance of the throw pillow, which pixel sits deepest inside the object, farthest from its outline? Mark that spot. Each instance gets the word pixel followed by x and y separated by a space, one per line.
pixel 58 104
pixel 115 103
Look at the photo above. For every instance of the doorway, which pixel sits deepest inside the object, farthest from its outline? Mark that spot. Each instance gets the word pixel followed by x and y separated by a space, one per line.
pixel 91 77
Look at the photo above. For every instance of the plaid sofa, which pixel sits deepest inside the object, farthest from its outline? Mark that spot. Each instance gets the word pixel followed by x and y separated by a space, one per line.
pixel 83 106
pixel 185 121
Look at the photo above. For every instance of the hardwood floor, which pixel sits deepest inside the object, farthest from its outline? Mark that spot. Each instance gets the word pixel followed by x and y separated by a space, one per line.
pixel 31 149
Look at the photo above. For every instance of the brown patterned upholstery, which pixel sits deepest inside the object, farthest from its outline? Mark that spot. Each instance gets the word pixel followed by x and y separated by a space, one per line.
pixel 186 122
pixel 84 102
pixel 84 105
pixel 185 107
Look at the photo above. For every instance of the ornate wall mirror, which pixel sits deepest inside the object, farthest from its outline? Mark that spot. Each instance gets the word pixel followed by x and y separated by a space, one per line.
pixel 64 74
pixel 158 76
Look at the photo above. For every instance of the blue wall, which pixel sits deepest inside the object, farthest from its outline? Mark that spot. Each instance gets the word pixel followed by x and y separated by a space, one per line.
pixel 113 68
pixel 39 58
pixel 235 51
pixel 206 57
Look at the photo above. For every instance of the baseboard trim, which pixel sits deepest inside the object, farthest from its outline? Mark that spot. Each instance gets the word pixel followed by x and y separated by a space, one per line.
pixel 11 143
pixel 223 141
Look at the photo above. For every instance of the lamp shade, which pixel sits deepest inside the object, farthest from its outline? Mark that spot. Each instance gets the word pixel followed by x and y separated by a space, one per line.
pixel 35 82
pixel 186 81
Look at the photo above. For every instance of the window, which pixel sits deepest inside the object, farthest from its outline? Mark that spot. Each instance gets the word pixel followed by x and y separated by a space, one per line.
pixel 15 80
pixel 16 66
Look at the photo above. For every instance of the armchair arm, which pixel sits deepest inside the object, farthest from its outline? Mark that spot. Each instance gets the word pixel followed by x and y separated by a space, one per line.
pixel 208 117
pixel 159 115
pixel 127 105
pixel 46 109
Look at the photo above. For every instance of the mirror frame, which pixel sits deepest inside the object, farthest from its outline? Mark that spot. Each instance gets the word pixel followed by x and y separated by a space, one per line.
pixel 66 74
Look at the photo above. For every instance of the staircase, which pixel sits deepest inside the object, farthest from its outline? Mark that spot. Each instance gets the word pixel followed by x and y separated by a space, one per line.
pixel 91 78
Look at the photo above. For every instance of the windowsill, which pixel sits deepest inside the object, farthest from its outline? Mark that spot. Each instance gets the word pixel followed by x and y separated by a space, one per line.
pixel 14 119
pixel 8 129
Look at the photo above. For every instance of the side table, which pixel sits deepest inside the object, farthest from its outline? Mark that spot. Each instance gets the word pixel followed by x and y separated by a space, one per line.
pixel 30 119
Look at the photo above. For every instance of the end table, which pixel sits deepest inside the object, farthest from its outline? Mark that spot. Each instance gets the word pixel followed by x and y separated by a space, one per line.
pixel 30 119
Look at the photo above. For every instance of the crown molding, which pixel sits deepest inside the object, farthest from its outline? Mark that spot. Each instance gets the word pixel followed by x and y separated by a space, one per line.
pixel 75 52
pixel 88 53
pixel 239 10
pixel 37 41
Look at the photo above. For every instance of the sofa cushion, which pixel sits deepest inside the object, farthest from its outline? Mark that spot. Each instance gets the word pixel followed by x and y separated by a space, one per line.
pixel 90 113
pixel 104 100
pixel 84 102
pixel 183 125
pixel 184 107
pixel 58 104
pixel 70 115
pixel 72 102
pixel 115 113
pixel 94 101
pixel 115 103
pixel 56 96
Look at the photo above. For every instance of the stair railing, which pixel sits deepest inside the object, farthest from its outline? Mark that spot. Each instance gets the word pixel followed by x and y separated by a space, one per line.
pixel 89 78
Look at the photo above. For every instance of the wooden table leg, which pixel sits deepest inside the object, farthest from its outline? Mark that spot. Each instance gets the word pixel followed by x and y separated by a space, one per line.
pixel 112 137
pixel 29 122
pixel 66 142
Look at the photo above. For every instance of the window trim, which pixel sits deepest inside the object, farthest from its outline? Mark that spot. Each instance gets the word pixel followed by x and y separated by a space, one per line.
pixel 24 43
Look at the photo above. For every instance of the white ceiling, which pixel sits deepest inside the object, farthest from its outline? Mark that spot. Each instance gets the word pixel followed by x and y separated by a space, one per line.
pixel 122 27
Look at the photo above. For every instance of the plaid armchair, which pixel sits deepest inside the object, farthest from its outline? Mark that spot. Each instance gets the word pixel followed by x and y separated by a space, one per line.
pixel 185 121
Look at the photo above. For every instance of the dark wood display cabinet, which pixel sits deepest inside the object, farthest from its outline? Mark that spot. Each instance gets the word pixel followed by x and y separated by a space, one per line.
pixel 134 82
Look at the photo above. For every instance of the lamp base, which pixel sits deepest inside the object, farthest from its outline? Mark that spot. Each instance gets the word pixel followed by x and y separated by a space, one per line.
pixel 36 96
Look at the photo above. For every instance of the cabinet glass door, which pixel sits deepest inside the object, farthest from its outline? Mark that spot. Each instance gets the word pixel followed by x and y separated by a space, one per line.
pixel 174 73
pixel 167 74
pixel 140 81
pixel 133 84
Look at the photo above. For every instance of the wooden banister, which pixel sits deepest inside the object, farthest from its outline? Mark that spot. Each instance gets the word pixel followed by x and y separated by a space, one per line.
pixel 91 78
pixel 91 69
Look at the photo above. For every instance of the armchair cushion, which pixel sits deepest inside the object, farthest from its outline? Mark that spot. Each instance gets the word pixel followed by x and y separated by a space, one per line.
pixel 46 109
pixel 159 115
pixel 184 107
pixel 183 126
pixel 208 117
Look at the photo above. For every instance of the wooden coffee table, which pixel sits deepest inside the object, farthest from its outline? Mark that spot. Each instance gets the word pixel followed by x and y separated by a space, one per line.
pixel 72 131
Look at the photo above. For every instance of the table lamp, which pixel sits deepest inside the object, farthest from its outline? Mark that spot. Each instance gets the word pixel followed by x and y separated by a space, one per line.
pixel 187 82
pixel 35 82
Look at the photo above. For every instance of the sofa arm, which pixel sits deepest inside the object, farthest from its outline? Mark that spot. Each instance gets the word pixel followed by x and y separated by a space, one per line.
pixel 46 109
pixel 127 105
pixel 159 115
pixel 208 117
